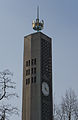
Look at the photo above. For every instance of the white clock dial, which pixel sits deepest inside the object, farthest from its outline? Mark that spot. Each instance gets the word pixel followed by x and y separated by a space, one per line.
pixel 45 88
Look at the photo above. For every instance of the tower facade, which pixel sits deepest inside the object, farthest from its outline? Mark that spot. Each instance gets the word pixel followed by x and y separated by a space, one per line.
pixel 37 102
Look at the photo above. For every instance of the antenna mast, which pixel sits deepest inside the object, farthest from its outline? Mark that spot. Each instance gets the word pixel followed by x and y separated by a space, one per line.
pixel 36 24
pixel 37 12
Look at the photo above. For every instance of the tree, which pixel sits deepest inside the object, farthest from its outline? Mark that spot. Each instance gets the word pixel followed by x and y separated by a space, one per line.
pixel 68 109
pixel 7 91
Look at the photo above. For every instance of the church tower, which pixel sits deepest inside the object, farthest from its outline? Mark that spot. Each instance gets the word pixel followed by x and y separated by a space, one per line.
pixel 37 102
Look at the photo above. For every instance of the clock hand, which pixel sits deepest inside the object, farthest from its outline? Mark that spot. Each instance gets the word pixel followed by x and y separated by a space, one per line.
pixel 46 89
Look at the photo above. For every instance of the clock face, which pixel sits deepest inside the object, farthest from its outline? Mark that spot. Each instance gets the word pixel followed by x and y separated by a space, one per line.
pixel 45 88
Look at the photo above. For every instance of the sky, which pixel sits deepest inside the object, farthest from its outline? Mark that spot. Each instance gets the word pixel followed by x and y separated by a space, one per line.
pixel 60 23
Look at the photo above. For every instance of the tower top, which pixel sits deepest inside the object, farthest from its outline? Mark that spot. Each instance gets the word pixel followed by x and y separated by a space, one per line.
pixel 38 25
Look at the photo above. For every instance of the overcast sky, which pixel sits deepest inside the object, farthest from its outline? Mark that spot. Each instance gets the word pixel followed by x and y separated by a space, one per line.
pixel 60 23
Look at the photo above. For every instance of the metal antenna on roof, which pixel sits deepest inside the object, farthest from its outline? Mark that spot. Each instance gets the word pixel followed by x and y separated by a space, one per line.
pixel 37 12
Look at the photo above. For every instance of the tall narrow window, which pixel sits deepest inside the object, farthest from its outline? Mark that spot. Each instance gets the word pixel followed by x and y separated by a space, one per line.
pixel 28 80
pixel 32 62
pixel 35 61
pixel 31 70
pixel 34 70
pixel 35 79
pixel 29 62
pixel 31 79
pixel 26 63
pixel 28 71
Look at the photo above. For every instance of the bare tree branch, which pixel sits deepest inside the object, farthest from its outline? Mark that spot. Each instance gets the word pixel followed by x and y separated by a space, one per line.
pixel 7 83
pixel 7 90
